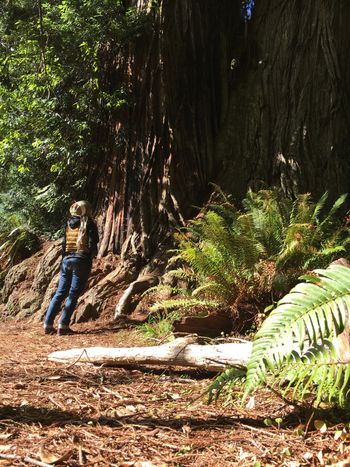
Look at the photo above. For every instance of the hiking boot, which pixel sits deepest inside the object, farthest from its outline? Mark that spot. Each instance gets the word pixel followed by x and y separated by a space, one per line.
pixel 49 330
pixel 65 332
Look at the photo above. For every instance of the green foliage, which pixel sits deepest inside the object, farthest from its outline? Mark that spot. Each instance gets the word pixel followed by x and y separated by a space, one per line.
pixel 225 381
pixel 182 304
pixel 297 341
pixel 17 239
pixel 310 237
pixel 226 253
pixel 221 259
pixel 55 100
pixel 159 326
pixel 267 214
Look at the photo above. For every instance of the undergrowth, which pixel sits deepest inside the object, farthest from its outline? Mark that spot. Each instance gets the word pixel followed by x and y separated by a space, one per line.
pixel 158 327
pixel 243 259
pixel 18 240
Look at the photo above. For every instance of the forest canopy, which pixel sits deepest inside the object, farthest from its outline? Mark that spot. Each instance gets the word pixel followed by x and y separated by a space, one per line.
pixel 55 98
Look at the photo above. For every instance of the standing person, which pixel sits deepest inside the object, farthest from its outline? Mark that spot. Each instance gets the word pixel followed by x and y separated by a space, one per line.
pixel 78 248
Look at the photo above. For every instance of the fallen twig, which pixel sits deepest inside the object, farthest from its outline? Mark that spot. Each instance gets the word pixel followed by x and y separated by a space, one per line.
pixel 57 404
pixel 25 459
pixel 308 424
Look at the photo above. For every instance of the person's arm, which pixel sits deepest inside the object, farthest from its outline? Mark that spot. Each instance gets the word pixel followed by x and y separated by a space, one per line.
pixel 63 246
pixel 92 239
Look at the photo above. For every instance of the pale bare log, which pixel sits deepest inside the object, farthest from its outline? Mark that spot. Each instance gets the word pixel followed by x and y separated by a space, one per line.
pixel 180 352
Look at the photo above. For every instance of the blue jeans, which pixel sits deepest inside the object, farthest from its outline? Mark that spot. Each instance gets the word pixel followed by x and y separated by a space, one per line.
pixel 73 278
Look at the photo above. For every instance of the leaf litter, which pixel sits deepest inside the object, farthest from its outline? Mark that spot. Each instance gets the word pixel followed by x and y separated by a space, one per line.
pixel 142 417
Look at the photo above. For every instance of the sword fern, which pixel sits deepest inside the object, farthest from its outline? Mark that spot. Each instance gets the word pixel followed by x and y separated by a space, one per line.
pixel 296 342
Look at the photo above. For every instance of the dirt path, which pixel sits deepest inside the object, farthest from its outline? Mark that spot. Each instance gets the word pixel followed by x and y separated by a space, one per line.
pixel 131 417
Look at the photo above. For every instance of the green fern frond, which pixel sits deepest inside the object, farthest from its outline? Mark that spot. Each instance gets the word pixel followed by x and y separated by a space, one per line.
pixel 293 254
pixel 164 288
pixel 308 234
pixel 324 257
pixel 223 247
pixel 245 224
pixel 319 206
pixel 329 228
pixel 314 368
pixel 302 209
pixel 221 293
pixel 269 213
pixel 311 312
pixel 184 274
pixel 206 288
pixel 183 304
pixel 226 380
pixel 318 371
pixel 227 211
pixel 336 206
pixel 222 253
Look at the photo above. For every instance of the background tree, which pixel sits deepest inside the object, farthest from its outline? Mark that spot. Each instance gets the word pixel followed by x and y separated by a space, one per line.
pixel 55 99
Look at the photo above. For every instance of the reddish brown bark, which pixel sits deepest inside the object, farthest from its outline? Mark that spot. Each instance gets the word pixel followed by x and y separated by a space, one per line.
pixel 213 99
pixel 164 156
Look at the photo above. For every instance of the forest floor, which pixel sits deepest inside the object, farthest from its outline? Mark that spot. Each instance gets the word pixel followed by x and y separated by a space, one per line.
pixel 141 417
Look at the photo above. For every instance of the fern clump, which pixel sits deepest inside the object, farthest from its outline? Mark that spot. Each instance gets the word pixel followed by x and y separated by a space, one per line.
pixel 238 259
pixel 217 261
pixel 17 240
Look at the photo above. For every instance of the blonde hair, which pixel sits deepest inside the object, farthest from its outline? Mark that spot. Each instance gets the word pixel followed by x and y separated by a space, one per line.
pixel 83 210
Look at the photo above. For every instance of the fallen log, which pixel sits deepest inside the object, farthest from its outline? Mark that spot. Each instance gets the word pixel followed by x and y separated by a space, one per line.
pixel 180 352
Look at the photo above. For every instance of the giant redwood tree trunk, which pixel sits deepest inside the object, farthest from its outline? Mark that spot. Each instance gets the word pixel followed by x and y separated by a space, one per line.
pixel 288 117
pixel 177 74
pixel 216 99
